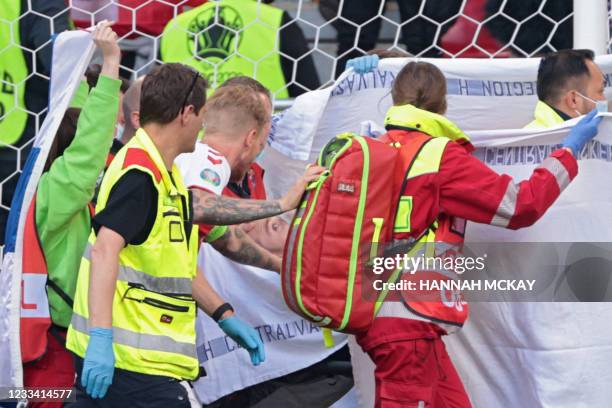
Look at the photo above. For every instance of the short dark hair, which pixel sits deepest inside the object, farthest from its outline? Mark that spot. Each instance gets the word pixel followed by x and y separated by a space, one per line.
pixel 167 89
pixel 249 82
pixel 557 69
pixel 93 73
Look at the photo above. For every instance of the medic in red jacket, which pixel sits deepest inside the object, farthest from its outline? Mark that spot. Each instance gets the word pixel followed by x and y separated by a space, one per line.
pixel 446 186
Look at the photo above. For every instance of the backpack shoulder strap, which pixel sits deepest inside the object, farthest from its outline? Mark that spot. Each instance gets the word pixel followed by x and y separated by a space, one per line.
pixel 410 145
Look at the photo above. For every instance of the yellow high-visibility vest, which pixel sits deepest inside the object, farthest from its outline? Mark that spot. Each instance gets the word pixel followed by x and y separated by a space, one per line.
pixel 544 117
pixel 154 313
pixel 228 38
pixel 13 75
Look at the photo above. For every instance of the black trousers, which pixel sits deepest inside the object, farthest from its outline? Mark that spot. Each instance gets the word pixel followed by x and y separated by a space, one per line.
pixel 317 386
pixel 134 390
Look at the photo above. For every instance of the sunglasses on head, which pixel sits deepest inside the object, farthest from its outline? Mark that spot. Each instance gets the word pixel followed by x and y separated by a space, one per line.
pixel 196 75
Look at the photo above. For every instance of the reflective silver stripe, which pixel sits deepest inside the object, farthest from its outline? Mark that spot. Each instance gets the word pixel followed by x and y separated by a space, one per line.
pixel 152 283
pixel 506 208
pixel 155 284
pixel 558 170
pixel 139 340
pixel 399 310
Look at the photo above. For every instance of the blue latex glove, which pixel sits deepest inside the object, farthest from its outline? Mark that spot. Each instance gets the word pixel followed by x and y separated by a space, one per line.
pixel 582 132
pixel 246 336
pixel 99 363
pixel 363 65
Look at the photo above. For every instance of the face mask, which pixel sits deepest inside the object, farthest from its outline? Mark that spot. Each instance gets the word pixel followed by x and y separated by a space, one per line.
pixel 601 106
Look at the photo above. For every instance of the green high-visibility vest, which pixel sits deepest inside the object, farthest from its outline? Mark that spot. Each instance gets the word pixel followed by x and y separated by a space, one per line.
pixel 228 38
pixel 13 74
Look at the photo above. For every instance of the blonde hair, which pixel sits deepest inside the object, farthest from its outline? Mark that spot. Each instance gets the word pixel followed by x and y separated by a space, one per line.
pixel 233 108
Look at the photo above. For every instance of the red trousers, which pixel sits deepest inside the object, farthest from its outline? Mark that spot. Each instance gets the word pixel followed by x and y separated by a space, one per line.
pixel 54 370
pixel 413 368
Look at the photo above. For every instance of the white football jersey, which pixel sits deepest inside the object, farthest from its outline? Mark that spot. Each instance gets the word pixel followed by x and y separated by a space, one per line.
pixel 204 168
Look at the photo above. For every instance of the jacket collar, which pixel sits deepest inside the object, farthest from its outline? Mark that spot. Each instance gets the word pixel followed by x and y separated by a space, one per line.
pixel 547 115
pixel 435 125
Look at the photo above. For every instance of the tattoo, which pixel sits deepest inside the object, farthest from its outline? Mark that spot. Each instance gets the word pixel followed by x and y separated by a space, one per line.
pixel 218 210
pixel 239 247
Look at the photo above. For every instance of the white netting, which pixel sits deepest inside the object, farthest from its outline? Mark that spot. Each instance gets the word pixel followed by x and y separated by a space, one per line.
pixel 333 31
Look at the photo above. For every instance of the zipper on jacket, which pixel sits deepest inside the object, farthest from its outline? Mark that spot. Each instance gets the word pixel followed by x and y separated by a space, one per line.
pixel 156 302
pixel 164 305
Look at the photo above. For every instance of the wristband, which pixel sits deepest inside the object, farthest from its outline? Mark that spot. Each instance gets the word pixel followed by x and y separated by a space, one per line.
pixel 216 316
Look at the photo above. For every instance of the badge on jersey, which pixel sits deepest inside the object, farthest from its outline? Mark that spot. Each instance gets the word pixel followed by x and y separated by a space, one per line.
pixel 211 177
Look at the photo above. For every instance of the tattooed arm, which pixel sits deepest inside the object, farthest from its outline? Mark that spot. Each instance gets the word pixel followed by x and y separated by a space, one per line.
pixel 239 247
pixel 217 210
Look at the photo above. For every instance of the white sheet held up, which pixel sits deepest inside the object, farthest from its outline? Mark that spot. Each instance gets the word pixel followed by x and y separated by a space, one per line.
pixel 508 355
pixel 291 342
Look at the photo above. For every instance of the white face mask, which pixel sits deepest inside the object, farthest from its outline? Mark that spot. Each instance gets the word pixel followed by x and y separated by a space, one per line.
pixel 601 106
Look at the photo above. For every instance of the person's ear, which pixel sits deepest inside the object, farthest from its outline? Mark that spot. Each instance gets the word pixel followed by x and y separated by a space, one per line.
pixel 571 99
pixel 251 138
pixel 135 119
pixel 186 113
